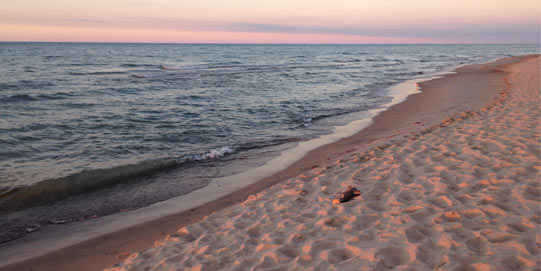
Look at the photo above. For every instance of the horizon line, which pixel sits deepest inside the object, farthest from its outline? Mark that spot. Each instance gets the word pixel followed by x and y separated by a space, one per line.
pixel 240 43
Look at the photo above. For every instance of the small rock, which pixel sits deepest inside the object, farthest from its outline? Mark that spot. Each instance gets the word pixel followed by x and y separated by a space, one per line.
pixel 347 195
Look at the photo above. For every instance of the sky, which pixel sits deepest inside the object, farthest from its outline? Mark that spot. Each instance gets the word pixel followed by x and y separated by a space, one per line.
pixel 272 21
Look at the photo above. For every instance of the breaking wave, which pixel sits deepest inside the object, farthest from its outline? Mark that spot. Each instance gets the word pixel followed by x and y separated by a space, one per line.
pixel 91 180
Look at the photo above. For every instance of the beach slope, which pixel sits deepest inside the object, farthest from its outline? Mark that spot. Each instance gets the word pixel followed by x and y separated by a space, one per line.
pixel 464 194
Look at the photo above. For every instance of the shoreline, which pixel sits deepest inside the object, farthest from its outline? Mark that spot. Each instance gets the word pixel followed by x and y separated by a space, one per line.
pixel 61 236
pixel 419 112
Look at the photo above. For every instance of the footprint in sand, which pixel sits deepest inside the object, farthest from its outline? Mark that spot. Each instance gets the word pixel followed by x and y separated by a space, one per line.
pixel 477 244
pixel 339 255
pixel 432 255
pixel 392 257
pixel 417 233
pixel 513 263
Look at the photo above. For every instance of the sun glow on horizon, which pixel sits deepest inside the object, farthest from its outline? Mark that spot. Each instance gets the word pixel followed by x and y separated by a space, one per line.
pixel 279 21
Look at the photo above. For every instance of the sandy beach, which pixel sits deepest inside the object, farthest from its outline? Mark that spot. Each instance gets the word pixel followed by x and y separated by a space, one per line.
pixel 449 179
pixel 461 195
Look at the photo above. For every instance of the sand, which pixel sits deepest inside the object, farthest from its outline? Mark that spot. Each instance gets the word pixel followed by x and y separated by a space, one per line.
pixel 464 194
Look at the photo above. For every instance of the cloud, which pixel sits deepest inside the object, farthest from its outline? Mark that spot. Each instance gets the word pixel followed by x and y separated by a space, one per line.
pixel 523 32
pixel 441 31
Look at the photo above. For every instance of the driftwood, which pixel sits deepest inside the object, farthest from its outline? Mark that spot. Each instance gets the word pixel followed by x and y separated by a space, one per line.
pixel 347 195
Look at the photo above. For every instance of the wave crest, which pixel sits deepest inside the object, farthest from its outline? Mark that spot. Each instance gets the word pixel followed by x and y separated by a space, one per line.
pixel 91 180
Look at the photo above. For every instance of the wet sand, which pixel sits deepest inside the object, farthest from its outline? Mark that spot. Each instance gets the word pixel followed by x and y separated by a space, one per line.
pixel 436 173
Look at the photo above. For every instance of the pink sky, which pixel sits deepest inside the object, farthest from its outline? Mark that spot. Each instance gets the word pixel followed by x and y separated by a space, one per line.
pixel 272 21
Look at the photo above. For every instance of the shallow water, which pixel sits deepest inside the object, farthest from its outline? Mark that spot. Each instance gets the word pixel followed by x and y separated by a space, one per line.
pixel 110 127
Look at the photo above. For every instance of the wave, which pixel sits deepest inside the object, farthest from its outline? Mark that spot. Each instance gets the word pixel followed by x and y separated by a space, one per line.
pixel 80 64
pixel 352 60
pixel 185 67
pixel 306 121
pixel 25 85
pixel 30 69
pixel 106 72
pixel 77 73
pixel 209 66
pixel 403 73
pixel 86 181
pixel 212 154
pixel 139 75
pixel 180 72
pixel 229 63
pixel 132 65
pixel 172 67
pixel 28 97
pixel 52 57
pixel 228 68
pixel 383 65
pixel 20 98
pixel 56 96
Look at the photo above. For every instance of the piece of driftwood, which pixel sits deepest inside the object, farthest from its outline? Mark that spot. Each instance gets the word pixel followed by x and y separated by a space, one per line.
pixel 347 195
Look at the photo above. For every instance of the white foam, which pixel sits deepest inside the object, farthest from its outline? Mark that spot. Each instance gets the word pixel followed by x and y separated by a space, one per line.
pixel 307 121
pixel 213 154
pixel 170 67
